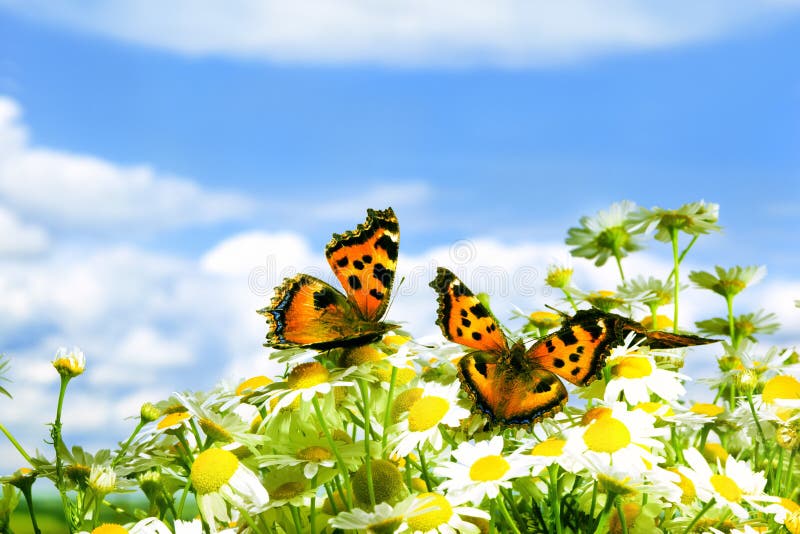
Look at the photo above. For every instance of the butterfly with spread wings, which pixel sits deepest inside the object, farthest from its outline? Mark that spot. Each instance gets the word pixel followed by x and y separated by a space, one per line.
pixel 513 385
pixel 307 312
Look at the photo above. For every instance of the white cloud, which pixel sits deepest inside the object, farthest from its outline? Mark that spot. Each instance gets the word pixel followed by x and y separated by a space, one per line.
pixel 18 238
pixel 416 32
pixel 64 189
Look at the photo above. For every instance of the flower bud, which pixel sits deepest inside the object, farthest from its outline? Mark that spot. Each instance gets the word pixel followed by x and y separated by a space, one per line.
pixel 787 438
pixel 149 412
pixel 102 479
pixel 69 363
pixel 746 380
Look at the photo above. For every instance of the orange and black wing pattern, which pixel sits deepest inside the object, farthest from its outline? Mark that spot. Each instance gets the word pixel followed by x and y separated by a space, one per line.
pixel 510 395
pixel 365 261
pixel 307 312
pixel 578 350
pixel 463 318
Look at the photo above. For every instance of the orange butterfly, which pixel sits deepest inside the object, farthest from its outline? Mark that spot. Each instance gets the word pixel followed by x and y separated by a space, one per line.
pixel 307 312
pixel 515 386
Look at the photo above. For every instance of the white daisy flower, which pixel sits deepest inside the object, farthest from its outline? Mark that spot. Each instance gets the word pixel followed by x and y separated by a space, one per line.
pixel 148 525
pixel 383 519
pixel 617 436
pixel 635 374
pixel 735 484
pixel 219 477
pixel 304 382
pixel 676 414
pixel 657 483
pixel 433 513
pixel 437 405
pixel 480 470
pixel 196 527
pixel 69 363
pixel 548 452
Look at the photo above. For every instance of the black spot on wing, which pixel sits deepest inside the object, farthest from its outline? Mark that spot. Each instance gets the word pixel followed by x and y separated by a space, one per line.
pixel 459 332
pixel 476 336
pixel 574 358
pixel 342 262
pixel 376 294
pixel 354 282
pixel 465 322
pixel 464 313
pixel 549 345
pixel 358 264
pixel 542 387
pixel 594 329
pixel 558 362
pixel 389 245
pixel 366 258
pixel 479 311
pixel 324 298
pixel 383 275
pixel 567 336
pixel 575 371
pixel 481 368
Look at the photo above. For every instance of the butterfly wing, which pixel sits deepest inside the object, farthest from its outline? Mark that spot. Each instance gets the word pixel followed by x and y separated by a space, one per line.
pixel 307 312
pixel 577 352
pixel 665 340
pixel 509 395
pixel 365 261
pixel 463 318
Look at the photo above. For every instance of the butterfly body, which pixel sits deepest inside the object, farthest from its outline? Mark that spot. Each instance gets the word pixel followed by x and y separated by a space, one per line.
pixel 307 312
pixel 518 386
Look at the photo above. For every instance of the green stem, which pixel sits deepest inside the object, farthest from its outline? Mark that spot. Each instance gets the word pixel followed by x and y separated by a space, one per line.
pixel 570 299
pixel 623 522
pixel 331 500
pixel 127 444
pixel 675 269
pixel 16 444
pixel 506 516
pixel 755 419
pixel 683 255
pixel 700 514
pixel 26 491
pixel 183 498
pixel 313 507
pixel 296 518
pixel 335 449
pixel 98 501
pixel 731 323
pixel 602 521
pixel 424 469
pixel 387 416
pixel 654 315
pixel 555 505
pixel 790 473
pixel 775 486
pixel 619 265
pixel 362 385
pixel 57 444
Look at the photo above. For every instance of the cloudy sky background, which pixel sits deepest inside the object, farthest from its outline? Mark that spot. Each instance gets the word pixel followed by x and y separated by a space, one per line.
pixel 162 168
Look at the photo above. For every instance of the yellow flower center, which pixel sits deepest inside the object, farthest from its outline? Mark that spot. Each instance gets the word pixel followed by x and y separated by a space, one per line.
pixel 172 419
pixel 252 384
pixel 110 528
pixel 395 340
pixel 781 387
pixel 360 355
pixel 215 431
pixel 287 490
pixel 792 523
pixel 633 367
pixel 662 322
pixel 307 375
pixel 702 408
pixel 688 493
pixel 790 505
pixel 543 319
pixel 489 468
pixel 212 469
pixel 387 526
pixel 314 453
pixel 726 487
pixel 653 407
pixel 404 375
pixel 607 435
pixel 595 414
pixel 713 451
pixel 432 514
pixel 549 447
pixel 426 413
pixel 419 485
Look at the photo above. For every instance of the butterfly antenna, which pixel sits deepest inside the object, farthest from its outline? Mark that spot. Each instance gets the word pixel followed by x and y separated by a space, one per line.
pixel 395 291
pixel 561 313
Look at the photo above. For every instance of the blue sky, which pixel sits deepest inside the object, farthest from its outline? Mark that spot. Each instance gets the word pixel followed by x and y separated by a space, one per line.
pixel 149 159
